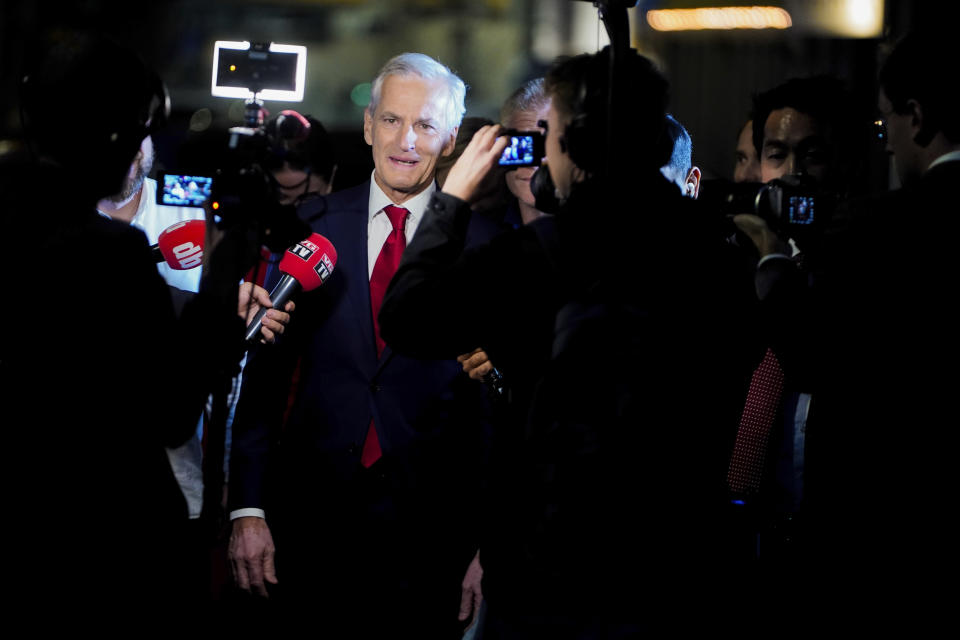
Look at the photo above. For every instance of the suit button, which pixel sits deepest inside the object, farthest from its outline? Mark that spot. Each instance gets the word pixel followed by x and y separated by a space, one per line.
pixel 375 388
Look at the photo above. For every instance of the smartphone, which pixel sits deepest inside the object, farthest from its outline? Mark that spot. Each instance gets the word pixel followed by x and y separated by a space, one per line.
pixel 179 190
pixel 524 150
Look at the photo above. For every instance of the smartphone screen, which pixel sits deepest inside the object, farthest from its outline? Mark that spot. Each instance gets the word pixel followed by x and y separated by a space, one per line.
pixel 524 150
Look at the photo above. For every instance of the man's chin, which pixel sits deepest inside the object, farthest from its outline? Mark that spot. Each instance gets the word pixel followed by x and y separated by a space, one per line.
pixel 130 187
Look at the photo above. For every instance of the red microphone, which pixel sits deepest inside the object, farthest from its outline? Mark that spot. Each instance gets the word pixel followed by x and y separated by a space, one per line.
pixel 306 265
pixel 181 245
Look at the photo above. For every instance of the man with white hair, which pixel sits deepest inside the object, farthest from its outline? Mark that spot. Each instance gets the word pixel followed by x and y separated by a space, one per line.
pixel 369 493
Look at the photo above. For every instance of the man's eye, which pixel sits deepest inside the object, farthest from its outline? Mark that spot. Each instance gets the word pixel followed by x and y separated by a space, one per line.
pixel 776 155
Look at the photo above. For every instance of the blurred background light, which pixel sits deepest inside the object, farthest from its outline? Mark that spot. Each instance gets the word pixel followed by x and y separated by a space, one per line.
pixel 719 18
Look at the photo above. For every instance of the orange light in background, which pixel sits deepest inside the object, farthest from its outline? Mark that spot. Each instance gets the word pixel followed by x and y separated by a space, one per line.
pixel 233 67
pixel 215 205
pixel 719 18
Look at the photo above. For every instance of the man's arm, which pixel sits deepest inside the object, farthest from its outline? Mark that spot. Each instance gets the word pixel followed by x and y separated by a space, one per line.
pixel 263 398
pixel 431 307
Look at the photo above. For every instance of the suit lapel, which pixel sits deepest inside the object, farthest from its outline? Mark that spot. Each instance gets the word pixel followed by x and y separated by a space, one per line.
pixel 350 231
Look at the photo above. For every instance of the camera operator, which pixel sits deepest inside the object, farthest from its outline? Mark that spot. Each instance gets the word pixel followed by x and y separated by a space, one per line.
pixel 804 131
pixel 104 384
pixel 301 158
pixel 606 483
pixel 872 329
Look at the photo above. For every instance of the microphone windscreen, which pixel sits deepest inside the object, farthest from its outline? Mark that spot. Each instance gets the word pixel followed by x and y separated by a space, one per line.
pixel 310 261
pixel 181 244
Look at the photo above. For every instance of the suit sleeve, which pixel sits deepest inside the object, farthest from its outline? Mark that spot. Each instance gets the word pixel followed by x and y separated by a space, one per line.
pixel 264 391
pixel 445 299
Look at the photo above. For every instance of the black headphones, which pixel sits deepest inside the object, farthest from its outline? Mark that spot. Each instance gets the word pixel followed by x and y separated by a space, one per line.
pixel 583 137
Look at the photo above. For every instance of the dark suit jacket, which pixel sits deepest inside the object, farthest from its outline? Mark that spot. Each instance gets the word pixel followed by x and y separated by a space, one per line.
pixel 427 415
pixel 876 333
pixel 607 487
pixel 90 398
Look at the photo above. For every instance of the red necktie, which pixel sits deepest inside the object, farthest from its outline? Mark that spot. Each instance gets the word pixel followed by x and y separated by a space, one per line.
pixel 750 449
pixel 383 270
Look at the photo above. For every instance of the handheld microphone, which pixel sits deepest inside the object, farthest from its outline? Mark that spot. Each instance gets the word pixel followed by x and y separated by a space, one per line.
pixel 181 245
pixel 306 265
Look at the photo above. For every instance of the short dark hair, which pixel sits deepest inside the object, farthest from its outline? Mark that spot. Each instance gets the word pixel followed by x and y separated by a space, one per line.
pixel 96 138
pixel 314 151
pixel 578 87
pixel 681 158
pixel 914 71
pixel 823 98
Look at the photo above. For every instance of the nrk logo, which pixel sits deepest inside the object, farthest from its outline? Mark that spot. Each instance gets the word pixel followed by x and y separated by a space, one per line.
pixel 304 249
pixel 188 255
pixel 324 267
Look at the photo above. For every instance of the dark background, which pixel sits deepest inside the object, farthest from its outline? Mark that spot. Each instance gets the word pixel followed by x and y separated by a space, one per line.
pixel 494 45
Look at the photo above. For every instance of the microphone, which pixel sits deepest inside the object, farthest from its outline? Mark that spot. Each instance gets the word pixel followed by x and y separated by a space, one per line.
pixel 181 245
pixel 306 265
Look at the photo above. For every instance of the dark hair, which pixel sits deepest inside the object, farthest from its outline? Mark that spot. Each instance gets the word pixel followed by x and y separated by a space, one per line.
pixel 823 98
pixel 94 138
pixel 914 71
pixel 303 149
pixel 578 87
pixel 681 159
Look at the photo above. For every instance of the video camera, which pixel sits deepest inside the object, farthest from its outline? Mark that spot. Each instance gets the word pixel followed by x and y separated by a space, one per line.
pixel 792 206
pixel 233 174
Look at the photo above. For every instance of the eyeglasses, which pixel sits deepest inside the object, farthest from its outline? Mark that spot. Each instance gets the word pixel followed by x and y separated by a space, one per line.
pixel 542 124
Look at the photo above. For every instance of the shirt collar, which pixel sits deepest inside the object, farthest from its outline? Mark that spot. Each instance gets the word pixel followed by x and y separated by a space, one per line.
pixel 416 205
pixel 952 156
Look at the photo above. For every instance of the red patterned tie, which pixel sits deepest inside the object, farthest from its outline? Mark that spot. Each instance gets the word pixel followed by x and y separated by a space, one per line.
pixel 750 449
pixel 383 270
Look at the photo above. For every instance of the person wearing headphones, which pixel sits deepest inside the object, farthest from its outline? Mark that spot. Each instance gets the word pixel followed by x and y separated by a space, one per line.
pixel 604 497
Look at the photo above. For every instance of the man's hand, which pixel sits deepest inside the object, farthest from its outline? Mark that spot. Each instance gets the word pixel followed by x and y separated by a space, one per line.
pixel 470 594
pixel 252 297
pixel 761 234
pixel 251 555
pixel 476 364
pixel 475 163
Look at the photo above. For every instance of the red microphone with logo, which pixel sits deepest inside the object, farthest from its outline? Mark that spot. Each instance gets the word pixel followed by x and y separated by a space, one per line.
pixel 181 245
pixel 305 266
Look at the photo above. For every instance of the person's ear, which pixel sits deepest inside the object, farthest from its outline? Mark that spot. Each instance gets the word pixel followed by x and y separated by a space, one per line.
pixel 691 186
pixel 368 126
pixel 451 142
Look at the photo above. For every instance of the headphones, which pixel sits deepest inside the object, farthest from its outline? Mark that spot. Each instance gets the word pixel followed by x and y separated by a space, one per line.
pixel 583 137
pixel 289 126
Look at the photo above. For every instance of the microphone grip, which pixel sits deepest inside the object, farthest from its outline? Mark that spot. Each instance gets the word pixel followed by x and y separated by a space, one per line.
pixel 285 289
pixel 493 380
pixel 157 255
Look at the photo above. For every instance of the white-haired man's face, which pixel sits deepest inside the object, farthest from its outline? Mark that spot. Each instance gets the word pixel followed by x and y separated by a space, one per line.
pixel 408 134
